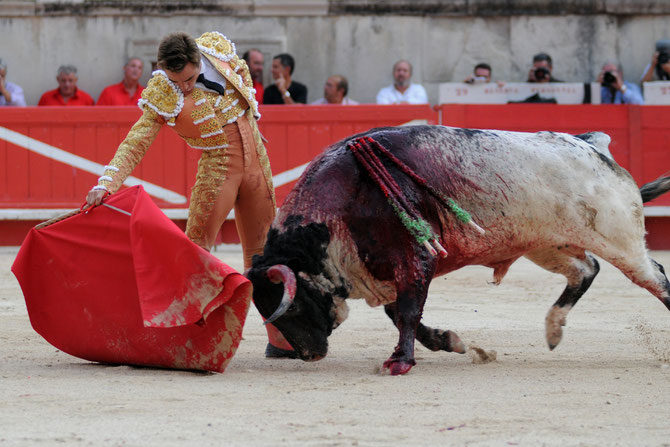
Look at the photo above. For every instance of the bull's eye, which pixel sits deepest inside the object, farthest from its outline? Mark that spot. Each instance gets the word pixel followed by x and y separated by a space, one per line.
pixel 293 309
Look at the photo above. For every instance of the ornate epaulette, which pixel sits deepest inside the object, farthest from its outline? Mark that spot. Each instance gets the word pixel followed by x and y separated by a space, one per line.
pixel 162 96
pixel 220 47
pixel 217 45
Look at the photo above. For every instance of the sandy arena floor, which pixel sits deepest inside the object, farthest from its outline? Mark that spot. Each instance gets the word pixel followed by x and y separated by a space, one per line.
pixel 607 383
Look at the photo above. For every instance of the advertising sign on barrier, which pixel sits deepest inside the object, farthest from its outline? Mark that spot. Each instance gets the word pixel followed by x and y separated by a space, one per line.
pixel 656 93
pixel 503 93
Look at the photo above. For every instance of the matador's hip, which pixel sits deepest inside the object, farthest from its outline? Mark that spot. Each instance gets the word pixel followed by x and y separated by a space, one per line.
pixel 237 176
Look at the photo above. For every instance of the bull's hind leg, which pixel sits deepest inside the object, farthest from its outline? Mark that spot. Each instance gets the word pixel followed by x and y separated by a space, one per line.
pixel 580 268
pixel 433 339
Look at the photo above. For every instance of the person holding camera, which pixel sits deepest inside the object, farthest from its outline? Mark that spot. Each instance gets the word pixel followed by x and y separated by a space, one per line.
pixel 659 67
pixel 614 90
pixel 541 69
pixel 481 74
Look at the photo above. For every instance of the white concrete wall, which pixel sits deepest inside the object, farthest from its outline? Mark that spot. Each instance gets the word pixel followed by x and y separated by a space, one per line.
pixel 37 38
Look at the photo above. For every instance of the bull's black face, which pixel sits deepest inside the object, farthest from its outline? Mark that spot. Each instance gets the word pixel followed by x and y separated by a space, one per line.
pixel 309 321
pixel 302 248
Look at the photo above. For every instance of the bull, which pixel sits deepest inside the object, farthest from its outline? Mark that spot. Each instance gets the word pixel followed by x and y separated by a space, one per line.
pixel 555 198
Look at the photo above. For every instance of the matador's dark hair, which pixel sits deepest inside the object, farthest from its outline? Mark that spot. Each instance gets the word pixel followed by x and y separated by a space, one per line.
pixel 176 50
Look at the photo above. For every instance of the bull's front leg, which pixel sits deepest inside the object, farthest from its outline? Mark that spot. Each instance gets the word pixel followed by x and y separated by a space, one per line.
pixel 408 310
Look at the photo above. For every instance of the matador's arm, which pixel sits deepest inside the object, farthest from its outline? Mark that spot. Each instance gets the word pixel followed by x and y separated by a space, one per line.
pixel 130 151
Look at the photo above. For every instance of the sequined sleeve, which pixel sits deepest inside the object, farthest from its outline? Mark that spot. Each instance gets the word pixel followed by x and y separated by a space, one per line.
pixel 131 151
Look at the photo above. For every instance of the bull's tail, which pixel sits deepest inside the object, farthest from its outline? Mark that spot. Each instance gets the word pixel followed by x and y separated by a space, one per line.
pixel 651 190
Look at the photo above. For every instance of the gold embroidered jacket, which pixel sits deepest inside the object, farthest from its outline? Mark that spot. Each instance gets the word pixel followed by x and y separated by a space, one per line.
pixel 198 118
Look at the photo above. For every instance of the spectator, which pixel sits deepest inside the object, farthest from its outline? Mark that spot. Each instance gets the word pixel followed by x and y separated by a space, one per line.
pixel 67 93
pixel 541 69
pixel 284 90
pixel 128 91
pixel 335 92
pixel 402 91
pixel 614 90
pixel 480 75
pixel 10 93
pixel 255 61
pixel 659 67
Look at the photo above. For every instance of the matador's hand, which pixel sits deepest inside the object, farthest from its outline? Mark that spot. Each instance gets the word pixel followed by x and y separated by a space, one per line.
pixel 94 197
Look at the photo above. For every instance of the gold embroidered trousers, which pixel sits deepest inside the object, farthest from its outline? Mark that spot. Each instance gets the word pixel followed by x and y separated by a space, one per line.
pixel 232 178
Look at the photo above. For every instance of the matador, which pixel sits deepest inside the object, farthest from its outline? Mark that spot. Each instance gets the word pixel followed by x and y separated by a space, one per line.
pixel 204 91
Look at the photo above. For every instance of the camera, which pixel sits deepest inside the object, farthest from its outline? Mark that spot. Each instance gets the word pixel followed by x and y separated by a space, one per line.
pixel 608 79
pixel 541 73
pixel 476 80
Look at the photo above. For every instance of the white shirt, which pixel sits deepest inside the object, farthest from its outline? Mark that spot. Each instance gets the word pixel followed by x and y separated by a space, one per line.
pixel 415 94
pixel 345 102
pixel 17 95
pixel 211 74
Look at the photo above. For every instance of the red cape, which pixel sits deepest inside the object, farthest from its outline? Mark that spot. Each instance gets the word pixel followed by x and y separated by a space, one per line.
pixel 132 289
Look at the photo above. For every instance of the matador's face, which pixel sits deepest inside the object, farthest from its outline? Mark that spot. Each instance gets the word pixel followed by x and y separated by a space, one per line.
pixel 186 78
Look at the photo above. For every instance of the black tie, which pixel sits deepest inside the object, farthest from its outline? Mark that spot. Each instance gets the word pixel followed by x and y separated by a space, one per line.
pixel 211 85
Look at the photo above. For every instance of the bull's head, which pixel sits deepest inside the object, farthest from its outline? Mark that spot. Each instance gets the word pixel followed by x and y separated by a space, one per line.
pixel 284 295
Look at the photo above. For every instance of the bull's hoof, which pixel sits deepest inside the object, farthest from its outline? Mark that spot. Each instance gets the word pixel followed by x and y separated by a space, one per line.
pixel 556 318
pixel 455 343
pixel 439 340
pixel 273 352
pixel 397 367
pixel 554 335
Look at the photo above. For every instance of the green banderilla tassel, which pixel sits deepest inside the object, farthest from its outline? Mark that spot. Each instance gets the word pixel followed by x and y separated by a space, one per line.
pixel 418 228
pixel 463 215
pixel 459 212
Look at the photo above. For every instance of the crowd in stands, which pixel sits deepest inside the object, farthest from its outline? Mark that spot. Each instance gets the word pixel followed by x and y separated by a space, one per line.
pixel 285 90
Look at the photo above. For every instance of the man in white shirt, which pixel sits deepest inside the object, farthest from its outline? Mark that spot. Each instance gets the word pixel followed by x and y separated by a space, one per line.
pixel 335 92
pixel 10 93
pixel 402 91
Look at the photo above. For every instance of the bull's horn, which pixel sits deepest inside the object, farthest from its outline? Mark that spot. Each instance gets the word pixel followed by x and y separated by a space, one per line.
pixel 281 273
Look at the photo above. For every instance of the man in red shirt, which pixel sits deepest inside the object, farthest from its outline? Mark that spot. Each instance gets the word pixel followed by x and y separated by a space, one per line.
pixel 67 93
pixel 128 91
pixel 254 59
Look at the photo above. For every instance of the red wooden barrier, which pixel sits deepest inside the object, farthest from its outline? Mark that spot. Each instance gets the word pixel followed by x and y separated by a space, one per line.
pixel 34 175
pixel 50 157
